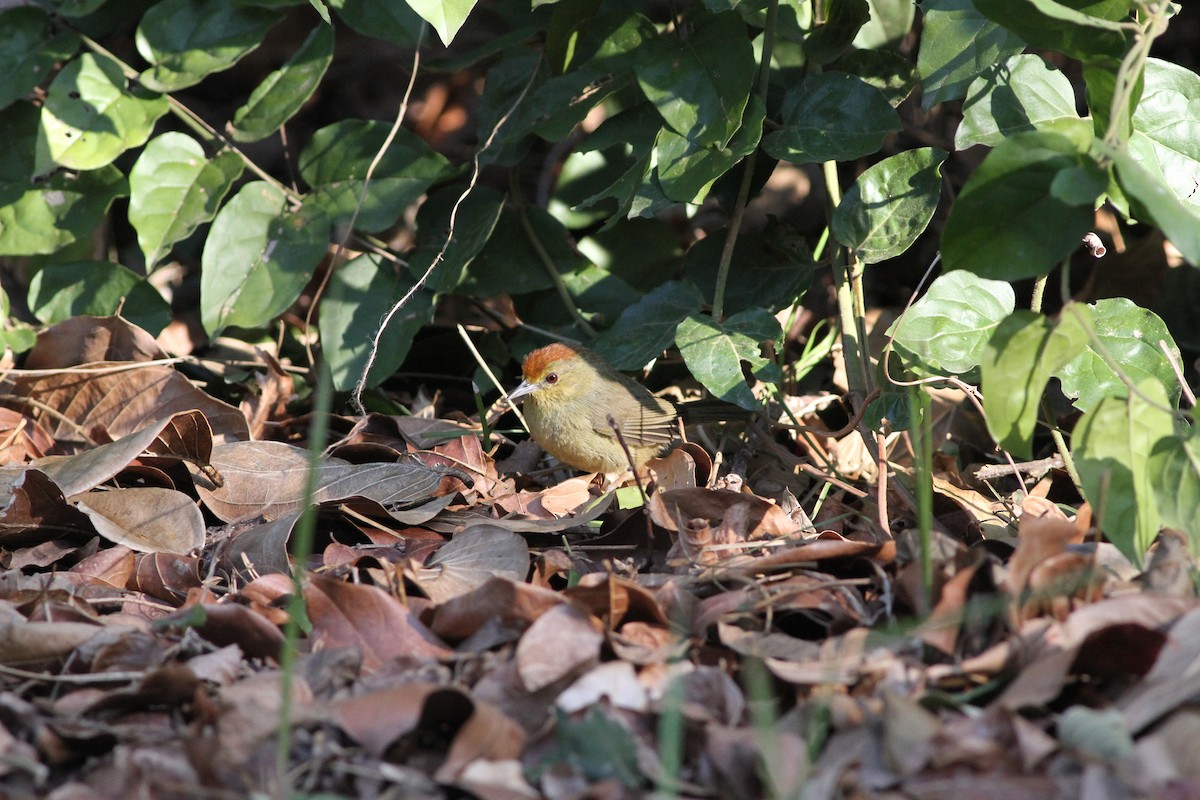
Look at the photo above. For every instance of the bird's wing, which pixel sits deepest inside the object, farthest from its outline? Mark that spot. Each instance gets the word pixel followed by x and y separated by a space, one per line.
pixel 654 424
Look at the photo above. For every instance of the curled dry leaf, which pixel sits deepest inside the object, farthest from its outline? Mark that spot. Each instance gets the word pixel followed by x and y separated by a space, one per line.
pixel 270 479
pixel 90 340
pixel 21 438
pixel 349 615
pixel 560 644
pixel 378 720
pixel 120 399
pixel 25 644
pixel 147 520
pixel 87 470
pixel 468 560
pixel 33 508
pixel 509 604
pixel 748 516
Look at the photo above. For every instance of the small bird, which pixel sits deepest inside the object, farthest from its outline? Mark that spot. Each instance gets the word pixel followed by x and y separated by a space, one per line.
pixel 569 393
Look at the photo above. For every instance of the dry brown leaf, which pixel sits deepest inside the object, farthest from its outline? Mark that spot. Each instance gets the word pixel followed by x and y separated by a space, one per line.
pixel 349 615
pixel 560 644
pixel 88 340
pixel 940 630
pixel 747 516
pixel 1042 533
pixel 113 565
pixel 34 509
pixel 115 402
pixel 270 479
pixel 147 520
pixel 261 549
pixel 1048 651
pixel 227 623
pixel 25 643
pixel 469 560
pixel 616 600
pixel 499 601
pixel 90 468
pixel 378 720
pixel 21 438
pixel 165 576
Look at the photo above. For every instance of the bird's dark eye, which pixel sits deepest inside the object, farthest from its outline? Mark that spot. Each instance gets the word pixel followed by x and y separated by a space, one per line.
pixel 552 377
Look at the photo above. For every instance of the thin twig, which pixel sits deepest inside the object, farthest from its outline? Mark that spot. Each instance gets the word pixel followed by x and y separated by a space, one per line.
pixel 373 353
pixel 96 677
pixel 340 251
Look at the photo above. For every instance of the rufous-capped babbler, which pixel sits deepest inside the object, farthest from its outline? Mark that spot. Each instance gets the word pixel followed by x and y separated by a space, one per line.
pixel 569 393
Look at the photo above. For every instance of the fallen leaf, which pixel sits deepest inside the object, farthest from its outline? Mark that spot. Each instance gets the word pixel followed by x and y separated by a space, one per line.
pixel 561 643
pixel 147 520
pixel 469 559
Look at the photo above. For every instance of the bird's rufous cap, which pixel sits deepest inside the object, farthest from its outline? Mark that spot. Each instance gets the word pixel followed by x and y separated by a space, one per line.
pixel 536 363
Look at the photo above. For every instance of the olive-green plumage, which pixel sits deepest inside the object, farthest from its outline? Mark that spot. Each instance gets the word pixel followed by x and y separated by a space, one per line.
pixel 569 393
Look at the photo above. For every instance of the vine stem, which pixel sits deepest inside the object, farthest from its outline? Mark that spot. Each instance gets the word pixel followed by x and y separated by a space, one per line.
pixel 1131 68
pixel 476 168
pixel 743 195
pixel 847 279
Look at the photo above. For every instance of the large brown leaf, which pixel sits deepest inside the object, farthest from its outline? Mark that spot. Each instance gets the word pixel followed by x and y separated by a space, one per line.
pixel 468 560
pixel 382 628
pixel 270 479
pixel 148 520
pixel 110 400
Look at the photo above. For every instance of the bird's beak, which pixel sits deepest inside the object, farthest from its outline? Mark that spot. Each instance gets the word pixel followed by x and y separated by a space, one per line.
pixel 526 388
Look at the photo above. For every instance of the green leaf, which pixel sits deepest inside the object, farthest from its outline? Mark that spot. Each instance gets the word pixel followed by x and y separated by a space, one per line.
pixel 1025 350
pixel 508 262
pixel 832 116
pixel 1101 734
pixel 771 269
pixel 946 332
pixel 359 295
pixel 843 20
pixel 1153 199
pixel 686 170
pixel 600 294
pixel 174 189
pixel 284 91
pixel 957 45
pixel 1051 25
pixel 187 40
pixel 1009 222
pixel 1022 94
pixel 647 328
pixel 890 204
pixel 714 352
pixel 1168 115
pixel 700 85
pixel 59 292
pixel 446 16
pixel 258 257
pixel 890 22
pixel 90 116
pixel 1175 475
pixel 1113 447
pixel 53 214
pixel 476 219
pixel 73 8
pixel 890 73
pixel 627 142
pixel 380 19
pixel 29 49
pixel 335 164
pixel 606 50
pixel 15 336
pixel 1130 336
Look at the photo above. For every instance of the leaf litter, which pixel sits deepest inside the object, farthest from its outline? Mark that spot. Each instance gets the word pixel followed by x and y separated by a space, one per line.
pixel 468 630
